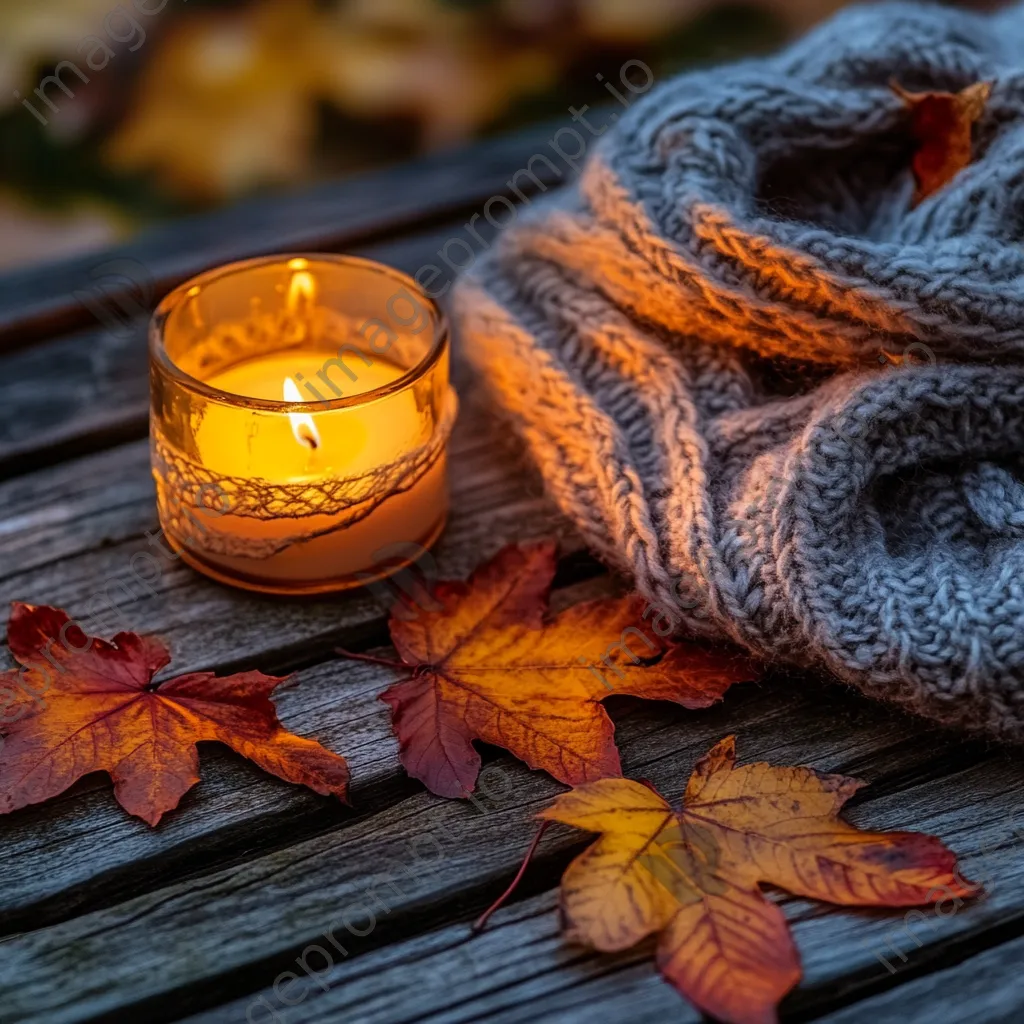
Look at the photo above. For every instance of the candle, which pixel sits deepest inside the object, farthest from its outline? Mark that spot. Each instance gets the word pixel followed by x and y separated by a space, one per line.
pixel 300 413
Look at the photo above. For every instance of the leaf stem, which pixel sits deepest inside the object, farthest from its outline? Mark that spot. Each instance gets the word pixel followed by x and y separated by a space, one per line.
pixel 481 922
pixel 386 662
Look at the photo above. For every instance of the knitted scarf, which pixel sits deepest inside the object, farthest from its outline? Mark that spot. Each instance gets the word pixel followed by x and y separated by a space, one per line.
pixel 783 399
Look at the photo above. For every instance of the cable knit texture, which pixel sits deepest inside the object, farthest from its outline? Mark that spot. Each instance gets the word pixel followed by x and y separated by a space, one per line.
pixel 787 403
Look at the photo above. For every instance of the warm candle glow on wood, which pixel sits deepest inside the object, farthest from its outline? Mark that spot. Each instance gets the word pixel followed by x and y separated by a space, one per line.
pixel 303 500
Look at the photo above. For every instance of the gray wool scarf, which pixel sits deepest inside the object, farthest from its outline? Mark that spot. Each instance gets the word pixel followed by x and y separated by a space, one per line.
pixel 786 402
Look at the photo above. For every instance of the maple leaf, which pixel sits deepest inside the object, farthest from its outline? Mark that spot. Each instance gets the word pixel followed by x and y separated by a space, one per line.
pixel 488 664
pixel 941 124
pixel 100 711
pixel 693 875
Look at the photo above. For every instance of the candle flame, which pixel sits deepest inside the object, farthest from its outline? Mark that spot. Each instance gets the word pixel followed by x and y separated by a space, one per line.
pixel 303 426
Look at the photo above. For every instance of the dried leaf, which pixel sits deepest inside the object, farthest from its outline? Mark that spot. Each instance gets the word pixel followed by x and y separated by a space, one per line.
pixel 100 711
pixel 693 875
pixel 488 665
pixel 941 123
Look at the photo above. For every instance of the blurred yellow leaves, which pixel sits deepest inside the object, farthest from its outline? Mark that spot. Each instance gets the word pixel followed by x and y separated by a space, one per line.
pixel 420 59
pixel 207 101
pixel 225 103
pixel 228 102
pixel 637 20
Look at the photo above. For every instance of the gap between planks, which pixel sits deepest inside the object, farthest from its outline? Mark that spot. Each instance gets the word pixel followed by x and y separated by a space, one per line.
pixel 62 561
pixel 521 971
pixel 243 924
pixel 248 811
pixel 81 393
pixel 367 209
pixel 66 532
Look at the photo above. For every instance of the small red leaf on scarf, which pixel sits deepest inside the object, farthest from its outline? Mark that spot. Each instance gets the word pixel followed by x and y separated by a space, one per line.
pixel 941 124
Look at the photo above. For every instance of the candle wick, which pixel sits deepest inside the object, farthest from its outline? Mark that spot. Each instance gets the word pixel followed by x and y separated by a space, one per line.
pixel 308 437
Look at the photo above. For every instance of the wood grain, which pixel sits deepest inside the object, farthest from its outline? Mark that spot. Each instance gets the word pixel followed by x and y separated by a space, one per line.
pixel 250 920
pixel 72 395
pixel 76 534
pixel 103 918
pixel 520 971
pixel 86 391
pixel 982 989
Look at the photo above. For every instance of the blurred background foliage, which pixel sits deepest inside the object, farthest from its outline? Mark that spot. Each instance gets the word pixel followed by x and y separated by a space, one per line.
pixel 191 103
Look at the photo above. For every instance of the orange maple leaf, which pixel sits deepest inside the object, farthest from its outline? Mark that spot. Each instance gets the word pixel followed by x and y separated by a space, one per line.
pixel 941 123
pixel 83 705
pixel 488 664
pixel 693 875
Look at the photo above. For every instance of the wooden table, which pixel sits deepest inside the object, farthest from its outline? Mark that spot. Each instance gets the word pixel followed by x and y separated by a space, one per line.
pixel 202 918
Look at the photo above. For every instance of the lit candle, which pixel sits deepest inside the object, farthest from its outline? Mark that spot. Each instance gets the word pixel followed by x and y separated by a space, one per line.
pixel 301 409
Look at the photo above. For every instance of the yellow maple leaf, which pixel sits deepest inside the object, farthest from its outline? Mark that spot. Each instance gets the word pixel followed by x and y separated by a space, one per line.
pixel 693 875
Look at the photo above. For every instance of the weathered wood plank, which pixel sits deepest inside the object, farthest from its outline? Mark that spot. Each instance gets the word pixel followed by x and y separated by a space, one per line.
pixel 72 395
pixel 984 989
pixel 502 974
pixel 57 514
pixel 75 531
pixel 521 971
pixel 66 531
pixel 38 303
pixel 84 392
pixel 242 925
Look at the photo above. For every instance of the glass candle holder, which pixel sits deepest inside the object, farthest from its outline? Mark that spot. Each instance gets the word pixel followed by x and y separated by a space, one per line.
pixel 300 413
